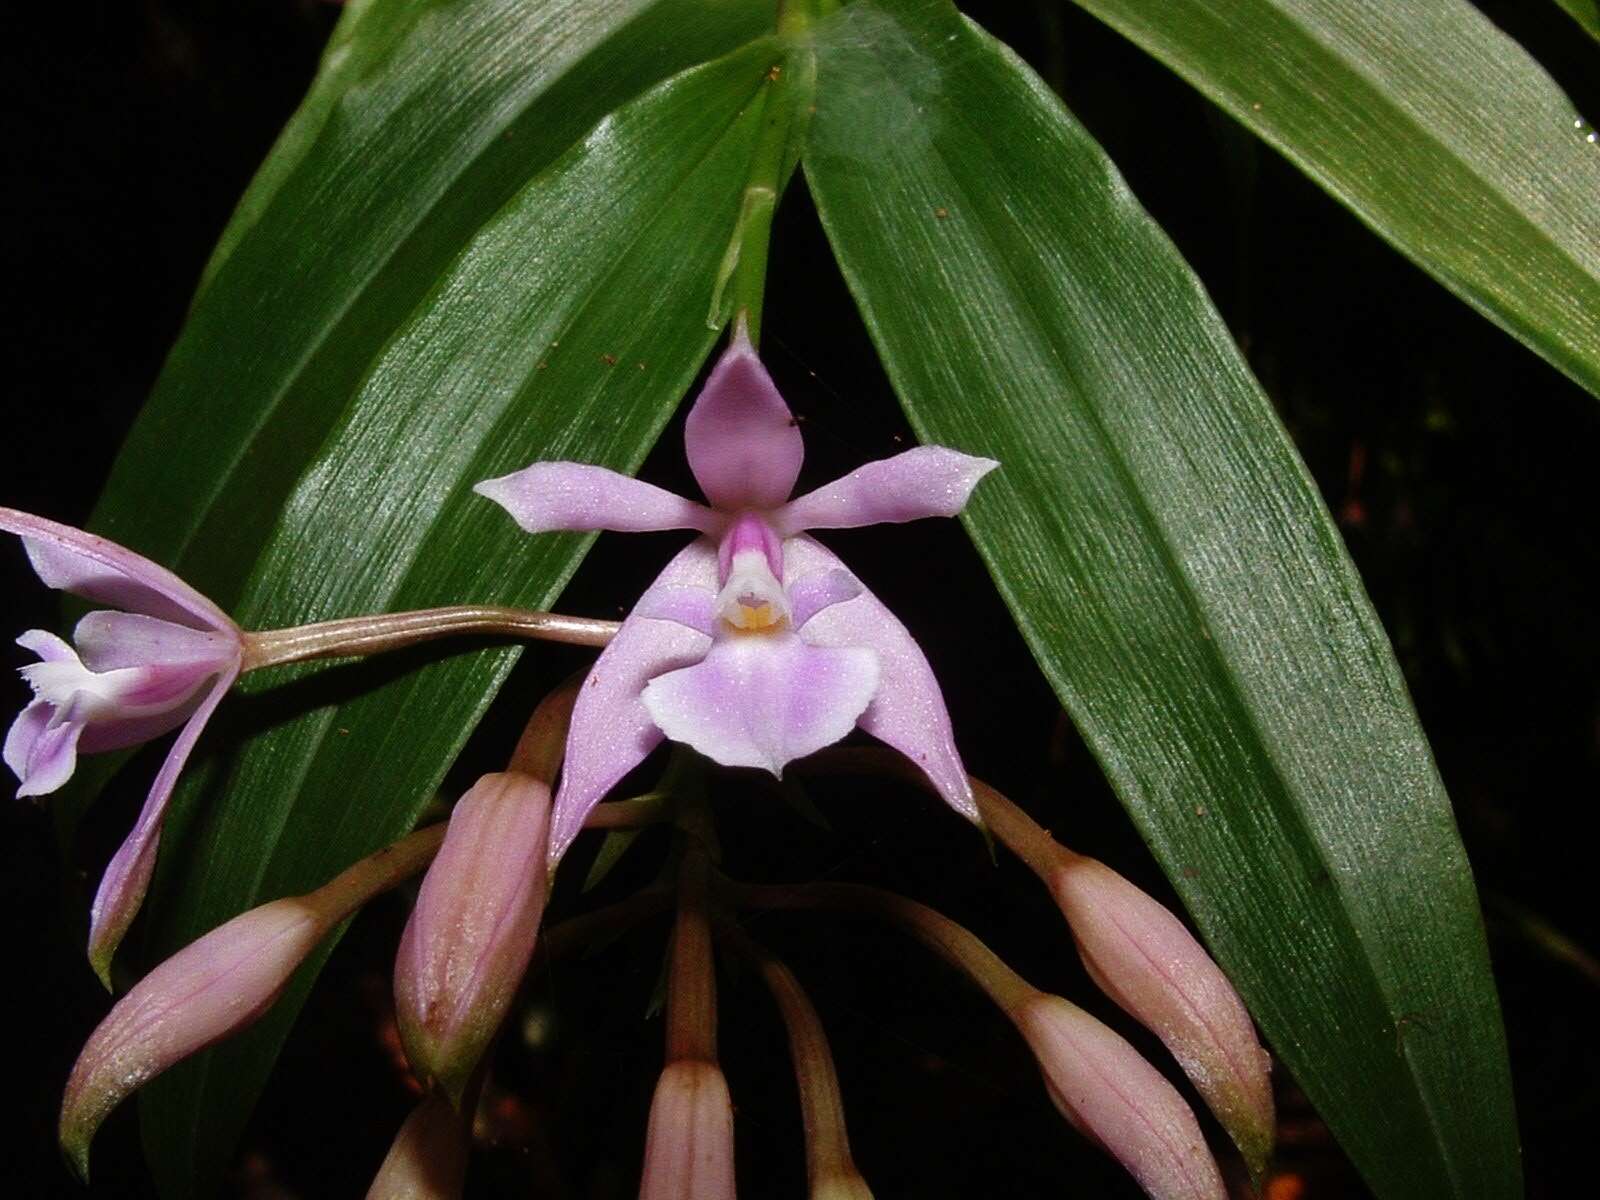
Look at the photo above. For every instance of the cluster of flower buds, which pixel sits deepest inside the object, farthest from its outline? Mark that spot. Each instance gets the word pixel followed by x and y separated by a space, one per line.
pixel 755 647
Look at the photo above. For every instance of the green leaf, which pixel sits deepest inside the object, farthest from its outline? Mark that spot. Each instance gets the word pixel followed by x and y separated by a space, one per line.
pixel 1585 13
pixel 1427 122
pixel 489 237
pixel 1178 578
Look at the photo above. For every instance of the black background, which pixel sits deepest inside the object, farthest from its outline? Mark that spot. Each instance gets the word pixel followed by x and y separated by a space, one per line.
pixel 1459 466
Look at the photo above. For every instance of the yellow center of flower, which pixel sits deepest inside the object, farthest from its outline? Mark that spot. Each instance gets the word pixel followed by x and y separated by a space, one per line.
pixel 752 600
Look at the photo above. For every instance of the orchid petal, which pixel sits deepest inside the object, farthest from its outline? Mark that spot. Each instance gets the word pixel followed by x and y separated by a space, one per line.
pixel 127 876
pixel 611 729
pixel 472 932
pixel 741 439
pixel 41 749
pixel 908 711
pixel 693 608
pixel 929 481
pixel 1107 1091
pixel 551 496
pixel 810 594
pixel 762 700
pixel 118 732
pixel 47 646
pixel 108 641
pixel 97 569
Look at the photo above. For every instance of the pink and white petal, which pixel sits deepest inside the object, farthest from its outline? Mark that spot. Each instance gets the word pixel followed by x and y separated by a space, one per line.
pixel 108 641
pixel 763 700
pixel 47 646
pixel 741 439
pixel 692 607
pixel 127 876
pixel 929 481
pixel 119 732
pixel 611 732
pixel 810 594
pixel 98 569
pixel 24 733
pixel 550 496
pixel 42 751
pixel 908 711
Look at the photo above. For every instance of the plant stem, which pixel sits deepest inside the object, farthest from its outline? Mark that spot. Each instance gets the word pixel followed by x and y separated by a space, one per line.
pixel 785 107
pixel 350 637
pixel 828 1160
pixel 954 943
pixel 544 739
pixel 691 975
pixel 361 881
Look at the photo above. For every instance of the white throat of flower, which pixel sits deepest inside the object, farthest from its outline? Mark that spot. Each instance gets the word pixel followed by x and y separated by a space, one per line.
pixel 752 600
pixel 91 695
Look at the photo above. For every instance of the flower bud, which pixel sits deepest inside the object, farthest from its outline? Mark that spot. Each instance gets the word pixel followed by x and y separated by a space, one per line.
pixel 428 1160
pixel 200 995
pixel 1144 958
pixel 215 987
pixel 688 1150
pixel 845 1186
pixel 472 932
pixel 1111 1095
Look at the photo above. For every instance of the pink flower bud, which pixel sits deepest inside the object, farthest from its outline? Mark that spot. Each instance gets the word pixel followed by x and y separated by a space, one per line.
pixel 688 1150
pixel 215 987
pixel 428 1160
pixel 469 939
pixel 1114 1097
pixel 200 995
pixel 1144 958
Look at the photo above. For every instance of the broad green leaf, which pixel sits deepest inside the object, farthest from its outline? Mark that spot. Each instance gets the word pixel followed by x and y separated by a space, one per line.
pixel 1432 126
pixel 490 237
pixel 1585 13
pixel 1177 577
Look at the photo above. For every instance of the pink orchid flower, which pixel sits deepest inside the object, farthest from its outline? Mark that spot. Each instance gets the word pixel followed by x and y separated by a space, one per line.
pixel 165 661
pixel 755 645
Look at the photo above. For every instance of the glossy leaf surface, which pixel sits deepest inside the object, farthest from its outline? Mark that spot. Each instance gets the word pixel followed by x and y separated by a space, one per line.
pixel 1436 129
pixel 489 236
pixel 1177 577
pixel 1585 13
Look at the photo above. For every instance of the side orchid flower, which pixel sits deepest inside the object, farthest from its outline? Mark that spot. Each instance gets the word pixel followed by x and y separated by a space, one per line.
pixel 755 645
pixel 164 660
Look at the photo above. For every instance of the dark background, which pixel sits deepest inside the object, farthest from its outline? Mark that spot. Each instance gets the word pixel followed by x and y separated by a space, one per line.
pixel 1458 464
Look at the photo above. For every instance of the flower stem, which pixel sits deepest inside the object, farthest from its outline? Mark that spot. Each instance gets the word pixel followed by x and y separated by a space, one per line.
pixel 691 975
pixel 350 637
pixel 828 1157
pixel 785 109
pixel 544 740
pixel 635 813
pixel 363 880
pixel 954 943
pixel 1020 833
